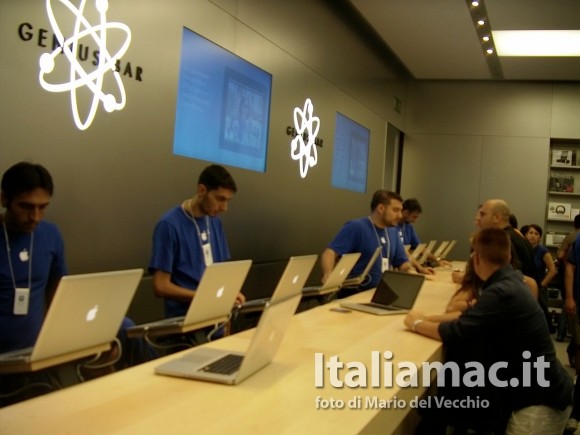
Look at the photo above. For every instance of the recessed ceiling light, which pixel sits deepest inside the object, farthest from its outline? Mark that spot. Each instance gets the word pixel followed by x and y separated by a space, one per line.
pixel 481 22
pixel 485 38
pixel 559 43
pixel 489 51
pixel 476 4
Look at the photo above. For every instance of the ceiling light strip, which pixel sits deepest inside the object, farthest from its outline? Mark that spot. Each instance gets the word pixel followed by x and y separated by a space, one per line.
pixel 484 33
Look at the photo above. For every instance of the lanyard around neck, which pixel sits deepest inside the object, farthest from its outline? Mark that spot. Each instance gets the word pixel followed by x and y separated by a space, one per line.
pixel 8 252
pixel 203 238
pixel 381 245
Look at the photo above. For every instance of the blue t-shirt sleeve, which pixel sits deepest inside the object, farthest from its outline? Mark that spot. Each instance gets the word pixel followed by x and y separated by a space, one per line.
pixel 58 268
pixel 414 238
pixel 163 252
pixel 220 246
pixel 346 240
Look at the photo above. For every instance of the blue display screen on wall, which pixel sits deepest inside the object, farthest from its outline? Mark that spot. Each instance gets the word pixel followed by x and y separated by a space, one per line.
pixel 223 106
pixel 351 154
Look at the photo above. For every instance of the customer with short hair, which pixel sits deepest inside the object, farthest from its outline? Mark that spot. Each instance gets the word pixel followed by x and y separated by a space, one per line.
pixel 506 325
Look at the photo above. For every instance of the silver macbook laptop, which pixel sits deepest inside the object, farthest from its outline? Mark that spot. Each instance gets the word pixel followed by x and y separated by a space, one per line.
pixel 448 249
pixel 395 294
pixel 227 367
pixel 425 254
pixel 294 276
pixel 86 311
pixel 213 302
pixel 336 277
pixel 357 280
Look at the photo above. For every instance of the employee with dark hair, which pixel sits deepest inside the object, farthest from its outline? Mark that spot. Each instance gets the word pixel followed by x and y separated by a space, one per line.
pixel 31 265
pixel 190 237
pixel 411 211
pixel 365 235
pixel 31 257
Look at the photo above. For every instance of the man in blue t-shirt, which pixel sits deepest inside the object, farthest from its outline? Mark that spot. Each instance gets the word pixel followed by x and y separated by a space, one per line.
pixel 365 235
pixel 31 264
pixel 188 238
pixel 411 211
pixel 31 255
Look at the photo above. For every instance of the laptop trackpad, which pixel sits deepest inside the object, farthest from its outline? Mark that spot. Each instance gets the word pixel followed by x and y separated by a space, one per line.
pixel 202 355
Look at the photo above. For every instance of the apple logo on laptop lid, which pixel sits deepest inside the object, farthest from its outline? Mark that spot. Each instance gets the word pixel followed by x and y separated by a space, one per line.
pixel 92 313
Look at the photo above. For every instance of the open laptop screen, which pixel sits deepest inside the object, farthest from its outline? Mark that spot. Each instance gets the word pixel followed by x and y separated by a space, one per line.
pixel 398 288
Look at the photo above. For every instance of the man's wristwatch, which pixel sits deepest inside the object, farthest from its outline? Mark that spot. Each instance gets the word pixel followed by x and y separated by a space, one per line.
pixel 416 323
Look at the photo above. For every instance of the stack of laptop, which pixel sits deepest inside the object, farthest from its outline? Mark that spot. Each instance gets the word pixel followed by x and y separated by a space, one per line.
pixel 83 319
pixel 439 251
pixel 448 249
pixel 395 294
pixel 213 302
pixel 228 367
pixel 414 255
pixel 422 259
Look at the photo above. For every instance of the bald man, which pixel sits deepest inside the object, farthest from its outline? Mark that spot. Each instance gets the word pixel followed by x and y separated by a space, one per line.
pixel 495 213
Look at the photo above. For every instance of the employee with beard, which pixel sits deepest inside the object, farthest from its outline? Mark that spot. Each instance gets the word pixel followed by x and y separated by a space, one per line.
pixel 365 234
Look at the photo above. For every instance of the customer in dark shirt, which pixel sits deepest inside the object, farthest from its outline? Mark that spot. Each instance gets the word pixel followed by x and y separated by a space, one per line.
pixel 495 213
pixel 505 325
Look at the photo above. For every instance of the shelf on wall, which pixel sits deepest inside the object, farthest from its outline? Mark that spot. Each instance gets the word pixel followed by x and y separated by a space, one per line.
pixel 573 168
pixel 553 192
pixel 564 163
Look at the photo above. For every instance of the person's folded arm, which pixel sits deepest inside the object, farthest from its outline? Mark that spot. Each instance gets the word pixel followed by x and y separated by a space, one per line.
pixel 164 288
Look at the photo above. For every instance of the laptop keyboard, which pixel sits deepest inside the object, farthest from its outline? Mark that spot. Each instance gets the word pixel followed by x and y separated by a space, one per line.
pixel 226 365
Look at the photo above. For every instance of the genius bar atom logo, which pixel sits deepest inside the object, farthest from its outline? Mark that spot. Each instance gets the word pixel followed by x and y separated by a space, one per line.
pixel 305 131
pixel 78 77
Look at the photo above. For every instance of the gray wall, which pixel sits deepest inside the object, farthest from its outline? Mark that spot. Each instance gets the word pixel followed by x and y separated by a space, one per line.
pixel 468 142
pixel 116 178
pixel 464 141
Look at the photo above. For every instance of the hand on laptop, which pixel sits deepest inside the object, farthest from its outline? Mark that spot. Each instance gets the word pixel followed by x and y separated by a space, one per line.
pixel 240 299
